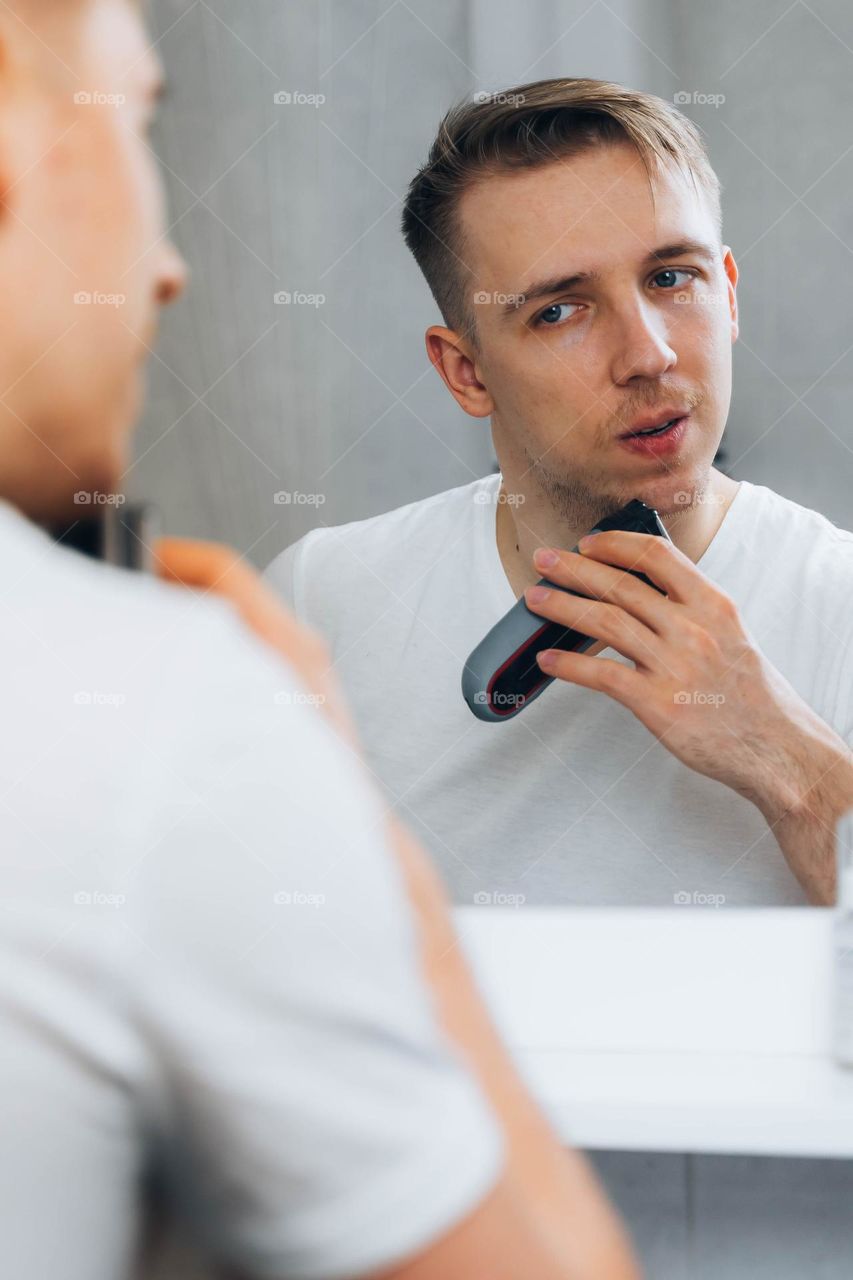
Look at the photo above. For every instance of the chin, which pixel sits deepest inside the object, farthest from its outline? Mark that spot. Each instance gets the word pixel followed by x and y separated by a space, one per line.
pixel 98 473
pixel 56 504
pixel 83 450
pixel 671 494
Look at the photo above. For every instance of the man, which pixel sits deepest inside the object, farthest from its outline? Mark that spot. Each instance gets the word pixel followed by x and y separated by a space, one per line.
pixel 570 233
pixel 210 977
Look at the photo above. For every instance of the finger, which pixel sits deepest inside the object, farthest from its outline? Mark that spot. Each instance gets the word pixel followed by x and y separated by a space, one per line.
pixel 613 585
pixel 619 682
pixel 606 622
pixel 660 560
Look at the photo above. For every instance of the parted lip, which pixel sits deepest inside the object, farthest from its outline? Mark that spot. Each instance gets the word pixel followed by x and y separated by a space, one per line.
pixel 656 419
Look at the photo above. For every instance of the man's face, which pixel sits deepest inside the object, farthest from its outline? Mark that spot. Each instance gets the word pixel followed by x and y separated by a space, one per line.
pixel 566 372
pixel 85 263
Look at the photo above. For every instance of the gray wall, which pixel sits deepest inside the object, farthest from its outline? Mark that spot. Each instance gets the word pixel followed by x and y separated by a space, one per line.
pixel 250 398
pixel 337 399
pixel 783 146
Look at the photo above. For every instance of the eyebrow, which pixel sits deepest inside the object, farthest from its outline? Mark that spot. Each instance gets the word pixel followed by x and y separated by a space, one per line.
pixel 564 284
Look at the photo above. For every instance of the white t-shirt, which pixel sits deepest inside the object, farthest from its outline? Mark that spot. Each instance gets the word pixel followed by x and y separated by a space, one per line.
pixel 207 964
pixel 573 801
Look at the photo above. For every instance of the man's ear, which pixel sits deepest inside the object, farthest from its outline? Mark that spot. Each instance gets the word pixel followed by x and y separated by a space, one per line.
pixel 730 268
pixel 453 357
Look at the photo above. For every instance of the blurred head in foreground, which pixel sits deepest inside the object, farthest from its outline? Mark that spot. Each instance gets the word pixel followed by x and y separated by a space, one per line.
pixel 84 258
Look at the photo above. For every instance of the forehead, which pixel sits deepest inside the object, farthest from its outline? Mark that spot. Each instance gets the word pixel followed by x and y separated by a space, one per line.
pixel 117 44
pixel 593 212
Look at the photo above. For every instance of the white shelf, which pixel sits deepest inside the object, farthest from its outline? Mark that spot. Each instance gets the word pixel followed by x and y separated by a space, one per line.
pixel 690 1029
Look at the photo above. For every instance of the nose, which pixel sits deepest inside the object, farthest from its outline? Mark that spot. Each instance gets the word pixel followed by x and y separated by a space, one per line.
pixel 642 350
pixel 172 275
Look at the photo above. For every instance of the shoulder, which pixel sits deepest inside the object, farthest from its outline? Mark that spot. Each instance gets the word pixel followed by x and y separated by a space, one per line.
pixel 801 547
pixel 370 551
pixel 800 577
pixel 162 657
pixel 165 634
pixel 783 518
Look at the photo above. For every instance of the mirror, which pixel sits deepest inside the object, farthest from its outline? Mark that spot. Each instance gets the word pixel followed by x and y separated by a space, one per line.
pixel 311 419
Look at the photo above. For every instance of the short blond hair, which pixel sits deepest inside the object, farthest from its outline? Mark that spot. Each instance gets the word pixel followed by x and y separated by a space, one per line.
pixel 525 127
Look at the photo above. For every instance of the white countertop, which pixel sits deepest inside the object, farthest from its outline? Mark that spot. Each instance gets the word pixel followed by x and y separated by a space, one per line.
pixel 686 1029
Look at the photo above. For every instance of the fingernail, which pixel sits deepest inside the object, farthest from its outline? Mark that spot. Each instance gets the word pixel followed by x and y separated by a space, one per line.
pixel 545 557
pixel 546 659
pixel 537 595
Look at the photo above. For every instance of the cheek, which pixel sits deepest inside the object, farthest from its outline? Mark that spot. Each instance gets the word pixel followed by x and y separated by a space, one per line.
pixel 544 384
pixel 138 239
pixel 708 343
pixel 580 360
pixel 124 204
pixel 561 365
pixel 147 193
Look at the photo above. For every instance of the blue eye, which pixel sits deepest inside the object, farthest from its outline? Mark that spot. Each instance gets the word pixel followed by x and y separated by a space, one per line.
pixel 551 315
pixel 670 272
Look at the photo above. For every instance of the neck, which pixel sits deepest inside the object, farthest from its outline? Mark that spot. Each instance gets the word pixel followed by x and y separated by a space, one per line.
pixel 526 520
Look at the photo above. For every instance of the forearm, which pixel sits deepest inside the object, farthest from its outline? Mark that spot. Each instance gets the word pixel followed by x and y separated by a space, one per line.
pixel 802 795
pixel 558 1185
